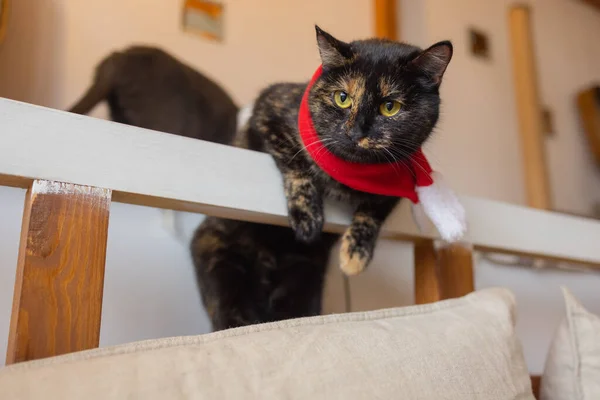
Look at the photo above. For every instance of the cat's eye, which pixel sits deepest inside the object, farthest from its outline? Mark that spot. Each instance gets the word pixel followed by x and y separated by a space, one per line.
pixel 390 108
pixel 342 99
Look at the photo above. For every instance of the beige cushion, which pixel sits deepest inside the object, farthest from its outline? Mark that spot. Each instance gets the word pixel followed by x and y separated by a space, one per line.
pixel 458 349
pixel 573 365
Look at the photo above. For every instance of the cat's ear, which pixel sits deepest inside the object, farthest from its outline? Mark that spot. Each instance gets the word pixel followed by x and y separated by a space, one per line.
pixel 334 53
pixel 434 60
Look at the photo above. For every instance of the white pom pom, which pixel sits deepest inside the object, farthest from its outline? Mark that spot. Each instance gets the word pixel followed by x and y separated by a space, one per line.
pixel 419 217
pixel 443 209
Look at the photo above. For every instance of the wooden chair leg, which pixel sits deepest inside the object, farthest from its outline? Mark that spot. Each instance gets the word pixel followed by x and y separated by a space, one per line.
pixel 455 266
pixel 60 273
pixel 443 273
pixel 427 287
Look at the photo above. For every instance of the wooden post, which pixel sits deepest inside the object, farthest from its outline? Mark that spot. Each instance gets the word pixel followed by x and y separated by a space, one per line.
pixel 588 103
pixel 444 273
pixel 455 266
pixel 529 109
pixel 427 287
pixel 385 19
pixel 60 273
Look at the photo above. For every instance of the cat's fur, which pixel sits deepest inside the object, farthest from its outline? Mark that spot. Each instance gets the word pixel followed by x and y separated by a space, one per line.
pixel 250 273
pixel 149 88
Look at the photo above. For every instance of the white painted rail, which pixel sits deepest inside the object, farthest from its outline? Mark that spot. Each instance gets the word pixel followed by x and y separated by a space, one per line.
pixel 166 171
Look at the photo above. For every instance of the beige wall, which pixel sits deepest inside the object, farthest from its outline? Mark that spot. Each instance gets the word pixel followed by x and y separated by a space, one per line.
pixel 58 42
pixel 567 34
pixel 479 116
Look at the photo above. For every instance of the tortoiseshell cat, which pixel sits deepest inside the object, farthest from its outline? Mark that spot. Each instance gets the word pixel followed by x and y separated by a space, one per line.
pixel 376 101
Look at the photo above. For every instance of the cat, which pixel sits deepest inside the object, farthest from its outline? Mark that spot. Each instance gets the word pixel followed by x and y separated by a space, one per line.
pixel 376 101
pixel 149 88
pixel 251 273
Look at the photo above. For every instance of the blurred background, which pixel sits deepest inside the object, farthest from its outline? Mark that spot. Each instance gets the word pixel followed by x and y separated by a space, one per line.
pixel 50 48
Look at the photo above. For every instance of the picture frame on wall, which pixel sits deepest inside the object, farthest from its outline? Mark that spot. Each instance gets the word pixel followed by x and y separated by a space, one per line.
pixel 204 18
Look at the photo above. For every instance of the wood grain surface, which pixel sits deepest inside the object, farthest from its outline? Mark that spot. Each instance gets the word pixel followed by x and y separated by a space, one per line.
pixel 588 103
pixel 386 19
pixel 60 273
pixel 427 287
pixel 529 108
pixel 455 266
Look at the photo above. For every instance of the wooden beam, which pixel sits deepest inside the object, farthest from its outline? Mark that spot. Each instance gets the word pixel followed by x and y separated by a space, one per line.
pixel 444 273
pixel 455 266
pixel 593 3
pixel 588 103
pixel 168 171
pixel 4 14
pixel 60 273
pixel 529 109
pixel 427 287
pixel 536 383
pixel 386 26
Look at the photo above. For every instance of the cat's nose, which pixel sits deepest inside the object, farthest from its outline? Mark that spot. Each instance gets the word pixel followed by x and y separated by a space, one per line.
pixel 357 133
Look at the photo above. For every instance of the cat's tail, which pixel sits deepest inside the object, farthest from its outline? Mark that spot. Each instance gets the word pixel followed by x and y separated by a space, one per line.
pixel 101 86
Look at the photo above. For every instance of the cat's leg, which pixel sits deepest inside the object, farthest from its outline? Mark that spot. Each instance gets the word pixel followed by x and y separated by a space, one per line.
pixel 305 205
pixel 273 128
pixel 358 242
pixel 296 288
pixel 299 289
pixel 225 271
pixel 228 292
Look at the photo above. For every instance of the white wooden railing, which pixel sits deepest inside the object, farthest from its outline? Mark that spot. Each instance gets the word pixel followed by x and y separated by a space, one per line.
pixel 73 166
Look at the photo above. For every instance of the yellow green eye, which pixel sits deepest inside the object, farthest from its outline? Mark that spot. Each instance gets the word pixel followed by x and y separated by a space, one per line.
pixel 342 99
pixel 390 108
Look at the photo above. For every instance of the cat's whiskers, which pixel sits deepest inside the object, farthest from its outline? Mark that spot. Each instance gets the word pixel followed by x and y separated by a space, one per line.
pixel 305 147
pixel 322 150
pixel 406 154
pixel 281 140
pixel 430 156
pixel 402 141
pixel 318 153
pixel 398 159
pixel 394 161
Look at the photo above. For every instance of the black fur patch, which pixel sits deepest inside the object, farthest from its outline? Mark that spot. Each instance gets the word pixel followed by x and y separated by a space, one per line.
pixel 252 273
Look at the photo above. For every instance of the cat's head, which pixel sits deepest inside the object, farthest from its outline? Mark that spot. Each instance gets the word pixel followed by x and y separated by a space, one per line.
pixel 376 100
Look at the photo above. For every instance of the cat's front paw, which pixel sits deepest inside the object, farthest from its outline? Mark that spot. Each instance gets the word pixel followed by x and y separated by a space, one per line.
pixel 355 254
pixel 306 222
pixel 305 206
